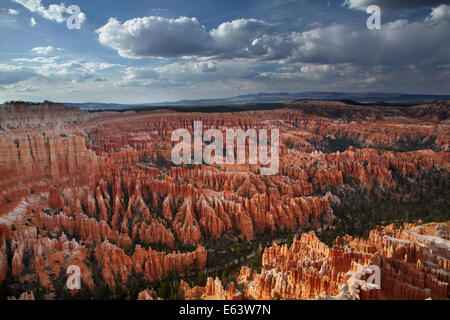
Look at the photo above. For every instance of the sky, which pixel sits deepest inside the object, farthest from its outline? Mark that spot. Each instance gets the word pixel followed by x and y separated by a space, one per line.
pixel 167 50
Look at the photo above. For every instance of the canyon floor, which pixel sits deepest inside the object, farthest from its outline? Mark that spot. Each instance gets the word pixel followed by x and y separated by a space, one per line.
pixel 359 188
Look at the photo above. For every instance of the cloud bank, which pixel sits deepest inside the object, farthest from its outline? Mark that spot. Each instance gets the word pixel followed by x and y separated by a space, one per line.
pixel 396 43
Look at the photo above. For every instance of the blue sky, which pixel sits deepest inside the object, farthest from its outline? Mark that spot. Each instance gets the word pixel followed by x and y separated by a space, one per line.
pixel 150 51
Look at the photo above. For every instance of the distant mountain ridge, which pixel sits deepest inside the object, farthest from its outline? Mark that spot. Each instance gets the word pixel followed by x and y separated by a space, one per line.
pixel 367 97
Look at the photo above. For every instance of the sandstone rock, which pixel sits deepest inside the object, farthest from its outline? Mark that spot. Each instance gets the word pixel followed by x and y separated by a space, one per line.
pixel 148 295
pixel 212 291
pixel 413 262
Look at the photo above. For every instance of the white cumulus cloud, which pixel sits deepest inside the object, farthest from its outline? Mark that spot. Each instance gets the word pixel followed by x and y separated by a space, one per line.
pixel 45 50
pixel 440 14
pixel 54 12
pixel 168 38
pixel 155 36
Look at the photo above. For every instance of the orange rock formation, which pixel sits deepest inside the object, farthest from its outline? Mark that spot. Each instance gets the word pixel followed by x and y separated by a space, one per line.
pixel 413 260
pixel 99 190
